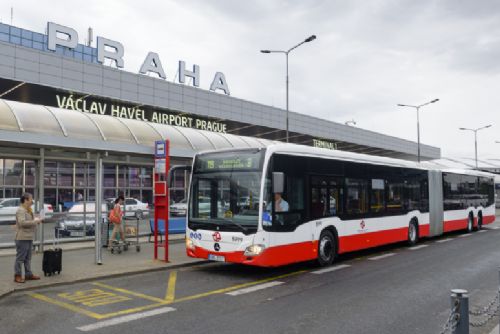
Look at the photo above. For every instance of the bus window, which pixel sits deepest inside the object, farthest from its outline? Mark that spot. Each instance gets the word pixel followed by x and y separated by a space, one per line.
pixel 293 195
pixel 356 201
pixel 319 202
pixel 377 196
pixel 325 196
pixel 394 196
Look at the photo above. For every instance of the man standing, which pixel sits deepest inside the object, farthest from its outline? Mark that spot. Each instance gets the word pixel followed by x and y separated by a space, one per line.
pixel 26 224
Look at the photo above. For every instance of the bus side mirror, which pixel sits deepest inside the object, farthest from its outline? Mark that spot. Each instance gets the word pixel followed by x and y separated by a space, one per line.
pixel 278 182
pixel 173 170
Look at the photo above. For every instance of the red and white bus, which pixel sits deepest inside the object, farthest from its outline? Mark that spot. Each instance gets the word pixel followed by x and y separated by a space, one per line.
pixel 289 203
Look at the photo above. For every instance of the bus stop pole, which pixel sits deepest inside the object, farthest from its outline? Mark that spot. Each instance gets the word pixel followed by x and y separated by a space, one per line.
pixel 41 195
pixel 98 209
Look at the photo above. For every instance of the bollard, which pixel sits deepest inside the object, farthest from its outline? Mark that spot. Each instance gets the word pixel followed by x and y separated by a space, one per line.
pixel 460 300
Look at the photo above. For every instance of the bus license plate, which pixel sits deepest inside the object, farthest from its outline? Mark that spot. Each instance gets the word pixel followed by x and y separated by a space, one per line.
pixel 218 258
pixel 76 234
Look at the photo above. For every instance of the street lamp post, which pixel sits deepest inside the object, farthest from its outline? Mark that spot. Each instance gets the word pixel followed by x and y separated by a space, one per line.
pixel 308 39
pixel 475 137
pixel 418 122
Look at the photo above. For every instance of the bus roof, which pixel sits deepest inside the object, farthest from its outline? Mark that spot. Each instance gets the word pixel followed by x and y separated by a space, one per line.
pixel 302 150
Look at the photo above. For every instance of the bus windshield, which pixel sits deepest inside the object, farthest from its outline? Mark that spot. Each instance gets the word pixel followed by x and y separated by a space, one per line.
pixel 225 192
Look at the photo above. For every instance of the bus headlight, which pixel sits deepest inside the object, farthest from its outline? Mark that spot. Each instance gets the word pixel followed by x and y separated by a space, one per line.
pixel 189 244
pixel 254 250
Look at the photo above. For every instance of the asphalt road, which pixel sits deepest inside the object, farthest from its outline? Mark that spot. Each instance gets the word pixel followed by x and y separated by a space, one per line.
pixel 393 289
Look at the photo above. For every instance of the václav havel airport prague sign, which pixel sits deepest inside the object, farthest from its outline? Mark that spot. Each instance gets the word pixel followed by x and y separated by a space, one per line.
pixel 113 50
pixel 102 107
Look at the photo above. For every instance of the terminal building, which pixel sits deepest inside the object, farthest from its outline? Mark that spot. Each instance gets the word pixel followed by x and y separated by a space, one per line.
pixel 65 105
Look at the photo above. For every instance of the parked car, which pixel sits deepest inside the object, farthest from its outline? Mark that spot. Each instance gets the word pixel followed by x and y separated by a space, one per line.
pixel 133 207
pixel 73 225
pixel 8 208
pixel 179 208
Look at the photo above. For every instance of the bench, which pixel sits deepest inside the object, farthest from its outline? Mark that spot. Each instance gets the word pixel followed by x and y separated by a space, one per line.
pixel 161 229
pixel 175 226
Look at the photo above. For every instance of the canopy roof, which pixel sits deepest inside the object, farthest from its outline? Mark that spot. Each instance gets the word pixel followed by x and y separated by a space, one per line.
pixel 49 126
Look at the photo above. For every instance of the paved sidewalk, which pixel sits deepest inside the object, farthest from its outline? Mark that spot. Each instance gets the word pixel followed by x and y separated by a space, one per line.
pixel 78 264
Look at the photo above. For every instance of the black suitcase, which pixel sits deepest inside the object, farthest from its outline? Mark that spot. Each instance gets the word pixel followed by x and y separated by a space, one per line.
pixel 52 261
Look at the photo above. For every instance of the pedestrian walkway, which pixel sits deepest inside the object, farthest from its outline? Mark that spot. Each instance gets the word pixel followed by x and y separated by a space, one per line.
pixel 78 264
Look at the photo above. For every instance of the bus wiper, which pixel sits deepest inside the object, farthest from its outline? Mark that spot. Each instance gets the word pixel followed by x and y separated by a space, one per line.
pixel 226 221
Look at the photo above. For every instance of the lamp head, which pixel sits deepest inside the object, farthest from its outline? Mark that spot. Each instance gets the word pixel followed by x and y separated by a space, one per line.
pixel 435 100
pixel 310 38
pixel 265 51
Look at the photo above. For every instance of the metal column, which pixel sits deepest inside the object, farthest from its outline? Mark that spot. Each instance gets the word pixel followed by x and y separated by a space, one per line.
pixel 98 209
pixel 41 194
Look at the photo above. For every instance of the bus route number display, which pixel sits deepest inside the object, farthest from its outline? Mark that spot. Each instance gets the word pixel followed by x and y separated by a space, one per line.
pixel 212 162
pixel 235 163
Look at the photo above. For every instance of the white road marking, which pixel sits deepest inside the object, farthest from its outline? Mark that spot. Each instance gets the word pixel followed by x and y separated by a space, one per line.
pixel 375 258
pixel 495 227
pixel 418 247
pixel 481 231
pixel 445 240
pixel 254 288
pixel 464 235
pixel 333 268
pixel 126 318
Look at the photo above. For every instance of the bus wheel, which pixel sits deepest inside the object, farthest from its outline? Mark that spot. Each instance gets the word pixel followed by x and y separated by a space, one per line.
pixel 326 248
pixel 412 232
pixel 470 223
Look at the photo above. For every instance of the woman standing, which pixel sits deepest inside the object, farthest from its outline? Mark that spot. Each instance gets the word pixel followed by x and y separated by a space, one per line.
pixel 115 217
pixel 25 233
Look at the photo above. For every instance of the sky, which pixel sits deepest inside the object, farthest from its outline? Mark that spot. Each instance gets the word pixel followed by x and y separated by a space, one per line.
pixel 368 57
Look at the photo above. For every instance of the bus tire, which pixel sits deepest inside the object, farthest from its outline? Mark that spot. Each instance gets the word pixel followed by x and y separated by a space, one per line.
pixel 470 222
pixel 326 248
pixel 413 232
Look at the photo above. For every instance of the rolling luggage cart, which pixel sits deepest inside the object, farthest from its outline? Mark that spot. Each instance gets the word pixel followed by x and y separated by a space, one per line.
pixel 130 234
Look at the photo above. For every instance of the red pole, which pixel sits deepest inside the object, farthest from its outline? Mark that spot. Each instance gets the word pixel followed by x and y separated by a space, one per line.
pixel 167 196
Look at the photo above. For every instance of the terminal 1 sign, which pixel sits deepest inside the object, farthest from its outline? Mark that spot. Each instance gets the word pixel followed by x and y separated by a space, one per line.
pixel 58 35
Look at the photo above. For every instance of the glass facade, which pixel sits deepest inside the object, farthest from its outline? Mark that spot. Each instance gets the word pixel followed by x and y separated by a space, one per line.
pixel 16 176
pixel 69 195
pixel 34 40
pixel 68 182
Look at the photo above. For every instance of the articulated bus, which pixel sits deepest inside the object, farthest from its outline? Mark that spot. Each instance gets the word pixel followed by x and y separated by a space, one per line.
pixel 289 203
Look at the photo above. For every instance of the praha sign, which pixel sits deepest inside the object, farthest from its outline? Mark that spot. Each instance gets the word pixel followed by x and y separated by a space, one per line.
pixel 104 108
pixel 109 49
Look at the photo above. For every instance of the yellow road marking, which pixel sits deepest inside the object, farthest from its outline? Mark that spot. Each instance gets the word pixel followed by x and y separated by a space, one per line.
pixel 131 310
pixel 66 306
pixel 128 292
pixel 159 302
pixel 94 297
pixel 170 295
